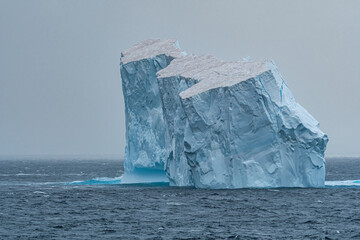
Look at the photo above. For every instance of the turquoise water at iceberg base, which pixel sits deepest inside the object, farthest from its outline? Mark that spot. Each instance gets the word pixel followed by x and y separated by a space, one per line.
pixel 83 199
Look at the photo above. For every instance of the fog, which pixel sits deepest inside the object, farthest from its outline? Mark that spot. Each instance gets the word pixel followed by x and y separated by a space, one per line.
pixel 60 87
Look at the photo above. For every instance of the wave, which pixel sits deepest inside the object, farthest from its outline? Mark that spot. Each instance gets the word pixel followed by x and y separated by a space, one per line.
pixel 97 181
pixel 114 181
pixel 39 174
pixel 32 174
pixel 343 184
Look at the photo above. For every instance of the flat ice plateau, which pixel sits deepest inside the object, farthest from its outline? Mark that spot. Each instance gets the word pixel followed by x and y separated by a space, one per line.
pixel 203 122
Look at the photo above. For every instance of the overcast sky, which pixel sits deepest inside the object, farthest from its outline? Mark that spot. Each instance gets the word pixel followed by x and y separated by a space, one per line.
pixel 60 87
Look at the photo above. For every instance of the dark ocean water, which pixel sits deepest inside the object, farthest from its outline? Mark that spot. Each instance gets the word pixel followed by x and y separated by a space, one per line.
pixel 37 202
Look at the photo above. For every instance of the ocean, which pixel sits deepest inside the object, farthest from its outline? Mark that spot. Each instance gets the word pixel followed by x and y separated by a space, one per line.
pixel 82 199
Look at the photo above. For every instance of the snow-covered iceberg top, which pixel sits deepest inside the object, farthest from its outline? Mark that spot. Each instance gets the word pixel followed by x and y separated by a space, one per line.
pixel 225 75
pixel 200 121
pixel 151 48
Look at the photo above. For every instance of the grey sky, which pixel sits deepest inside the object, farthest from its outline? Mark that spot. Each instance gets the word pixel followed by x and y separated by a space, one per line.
pixel 60 88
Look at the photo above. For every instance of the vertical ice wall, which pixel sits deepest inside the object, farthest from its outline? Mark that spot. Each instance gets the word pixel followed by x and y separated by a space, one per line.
pixel 173 80
pixel 145 152
pixel 246 130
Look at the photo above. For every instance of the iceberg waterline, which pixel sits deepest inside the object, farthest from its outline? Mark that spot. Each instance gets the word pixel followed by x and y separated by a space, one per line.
pixel 117 181
pixel 199 121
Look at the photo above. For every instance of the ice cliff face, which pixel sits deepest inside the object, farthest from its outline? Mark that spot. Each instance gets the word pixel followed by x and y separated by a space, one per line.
pixel 172 81
pixel 214 124
pixel 145 151
pixel 246 130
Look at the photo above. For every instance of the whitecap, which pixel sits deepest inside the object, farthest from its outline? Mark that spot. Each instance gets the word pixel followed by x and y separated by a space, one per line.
pixel 343 184
pixel 39 192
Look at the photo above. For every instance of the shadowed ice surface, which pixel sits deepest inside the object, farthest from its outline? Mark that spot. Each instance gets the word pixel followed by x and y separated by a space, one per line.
pixel 83 199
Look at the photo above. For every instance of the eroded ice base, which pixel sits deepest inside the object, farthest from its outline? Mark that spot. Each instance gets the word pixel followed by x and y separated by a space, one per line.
pixel 145 175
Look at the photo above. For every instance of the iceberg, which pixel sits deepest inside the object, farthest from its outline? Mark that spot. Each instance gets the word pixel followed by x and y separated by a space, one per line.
pixel 203 122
